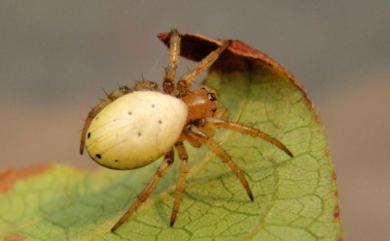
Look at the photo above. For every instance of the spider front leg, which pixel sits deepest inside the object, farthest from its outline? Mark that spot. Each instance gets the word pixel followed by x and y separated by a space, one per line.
pixel 186 80
pixel 180 186
pixel 246 130
pixel 143 196
pixel 170 70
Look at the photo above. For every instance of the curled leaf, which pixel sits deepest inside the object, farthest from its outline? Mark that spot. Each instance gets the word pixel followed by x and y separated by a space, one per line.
pixel 295 198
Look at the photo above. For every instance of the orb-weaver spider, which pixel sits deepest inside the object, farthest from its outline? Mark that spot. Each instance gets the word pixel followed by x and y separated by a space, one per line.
pixel 135 126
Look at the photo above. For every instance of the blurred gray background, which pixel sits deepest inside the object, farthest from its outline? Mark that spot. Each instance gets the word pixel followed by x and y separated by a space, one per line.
pixel 56 57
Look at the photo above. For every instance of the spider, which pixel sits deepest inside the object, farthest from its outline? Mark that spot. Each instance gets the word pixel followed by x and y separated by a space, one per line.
pixel 133 127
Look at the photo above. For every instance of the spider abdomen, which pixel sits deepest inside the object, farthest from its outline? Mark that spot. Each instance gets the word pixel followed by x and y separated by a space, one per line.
pixel 135 129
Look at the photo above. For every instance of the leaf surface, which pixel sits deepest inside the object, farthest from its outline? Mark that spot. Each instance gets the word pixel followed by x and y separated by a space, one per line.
pixel 295 198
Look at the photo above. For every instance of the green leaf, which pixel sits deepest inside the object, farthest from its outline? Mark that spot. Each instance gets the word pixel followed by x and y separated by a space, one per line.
pixel 295 198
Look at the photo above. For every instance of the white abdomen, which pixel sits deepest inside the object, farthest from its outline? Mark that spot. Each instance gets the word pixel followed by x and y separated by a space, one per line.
pixel 135 129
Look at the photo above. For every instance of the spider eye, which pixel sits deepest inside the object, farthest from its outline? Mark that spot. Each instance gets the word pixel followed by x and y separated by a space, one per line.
pixel 211 96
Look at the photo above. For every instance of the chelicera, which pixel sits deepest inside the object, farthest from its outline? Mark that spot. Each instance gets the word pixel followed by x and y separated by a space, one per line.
pixel 133 127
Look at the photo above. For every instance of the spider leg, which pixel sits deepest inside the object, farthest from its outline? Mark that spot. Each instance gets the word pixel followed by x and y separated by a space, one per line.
pixel 222 154
pixel 180 186
pixel 225 157
pixel 122 90
pixel 248 131
pixel 186 80
pixel 87 122
pixel 170 70
pixel 221 113
pixel 95 110
pixel 143 196
pixel 146 85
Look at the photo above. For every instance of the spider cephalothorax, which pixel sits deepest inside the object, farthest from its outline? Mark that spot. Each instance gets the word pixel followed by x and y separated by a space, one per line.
pixel 133 127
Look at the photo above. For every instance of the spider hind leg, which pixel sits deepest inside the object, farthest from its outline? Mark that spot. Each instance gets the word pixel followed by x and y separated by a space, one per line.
pixel 95 110
pixel 110 97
